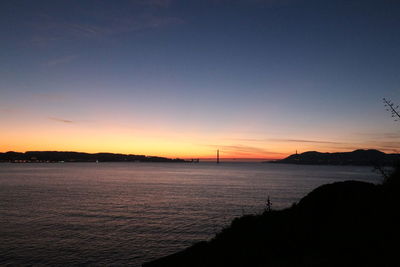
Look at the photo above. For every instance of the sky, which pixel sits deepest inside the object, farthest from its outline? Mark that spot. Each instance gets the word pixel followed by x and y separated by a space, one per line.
pixel 256 79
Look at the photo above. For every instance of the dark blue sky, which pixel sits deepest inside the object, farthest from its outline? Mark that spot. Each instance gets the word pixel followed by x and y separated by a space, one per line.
pixel 253 77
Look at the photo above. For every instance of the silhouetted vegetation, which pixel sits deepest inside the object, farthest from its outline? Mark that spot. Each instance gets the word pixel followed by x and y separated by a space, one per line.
pixel 268 206
pixel 56 156
pixel 341 224
pixel 394 110
pixel 369 157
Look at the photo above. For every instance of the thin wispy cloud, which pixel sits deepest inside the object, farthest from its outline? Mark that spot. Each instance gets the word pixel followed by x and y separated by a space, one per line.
pixel 285 140
pixel 60 120
pixel 244 150
pixel 266 3
pixel 51 29
pixel 6 110
pixel 391 135
pixel 50 96
pixel 374 136
pixel 247 139
pixel 304 141
pixel 60 61
pixel 154 3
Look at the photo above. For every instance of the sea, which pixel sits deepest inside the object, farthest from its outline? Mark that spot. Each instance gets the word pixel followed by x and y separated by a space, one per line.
pixel 114 214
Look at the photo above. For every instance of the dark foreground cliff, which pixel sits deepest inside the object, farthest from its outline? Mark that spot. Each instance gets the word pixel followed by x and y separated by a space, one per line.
pixel 341 224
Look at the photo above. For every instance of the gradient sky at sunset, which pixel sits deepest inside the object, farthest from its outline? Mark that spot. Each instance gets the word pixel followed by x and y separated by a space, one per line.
pixel 181 78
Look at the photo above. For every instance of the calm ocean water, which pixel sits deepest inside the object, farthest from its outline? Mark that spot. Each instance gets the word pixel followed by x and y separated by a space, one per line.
pixel 128 213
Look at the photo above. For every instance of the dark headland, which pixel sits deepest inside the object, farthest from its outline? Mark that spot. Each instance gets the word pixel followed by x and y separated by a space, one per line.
pixel 57 156
pixel 341 224
pixel 357 157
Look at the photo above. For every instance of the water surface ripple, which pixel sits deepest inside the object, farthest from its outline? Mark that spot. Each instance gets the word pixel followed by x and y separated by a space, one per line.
pixel 128 213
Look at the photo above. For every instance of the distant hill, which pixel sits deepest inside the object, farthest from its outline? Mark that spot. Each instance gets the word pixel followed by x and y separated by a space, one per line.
pixel 57 156
pixel 357 157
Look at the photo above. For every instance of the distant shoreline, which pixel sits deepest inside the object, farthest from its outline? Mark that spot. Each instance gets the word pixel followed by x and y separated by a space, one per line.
pixel 91 162
pixel 67 157
pixel 370 157
pixel 72 156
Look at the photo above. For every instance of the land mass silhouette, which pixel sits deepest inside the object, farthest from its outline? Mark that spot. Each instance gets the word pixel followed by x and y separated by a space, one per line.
pixel 347 223
pixel 357 157
pixel 59 156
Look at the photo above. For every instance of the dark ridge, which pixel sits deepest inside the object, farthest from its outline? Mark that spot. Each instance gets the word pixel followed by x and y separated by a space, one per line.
pixel 58 156
pixel 341 224
pixel 357 157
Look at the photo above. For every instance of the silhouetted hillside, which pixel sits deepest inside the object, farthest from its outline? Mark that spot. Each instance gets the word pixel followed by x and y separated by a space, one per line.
pixel 357 157
pixel 341 224
pixel 56 156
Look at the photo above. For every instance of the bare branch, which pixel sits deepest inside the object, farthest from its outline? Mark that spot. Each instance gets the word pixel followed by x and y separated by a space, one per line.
pixel 392 109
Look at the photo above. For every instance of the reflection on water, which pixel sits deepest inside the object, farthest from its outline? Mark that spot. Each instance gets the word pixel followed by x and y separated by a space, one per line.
pixel 127 213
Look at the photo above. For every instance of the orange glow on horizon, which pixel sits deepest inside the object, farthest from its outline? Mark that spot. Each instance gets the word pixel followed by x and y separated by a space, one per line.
pixel 50 135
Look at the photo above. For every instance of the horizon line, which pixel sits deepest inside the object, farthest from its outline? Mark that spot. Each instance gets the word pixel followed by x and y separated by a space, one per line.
pixel 204 158
pixel 169 157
